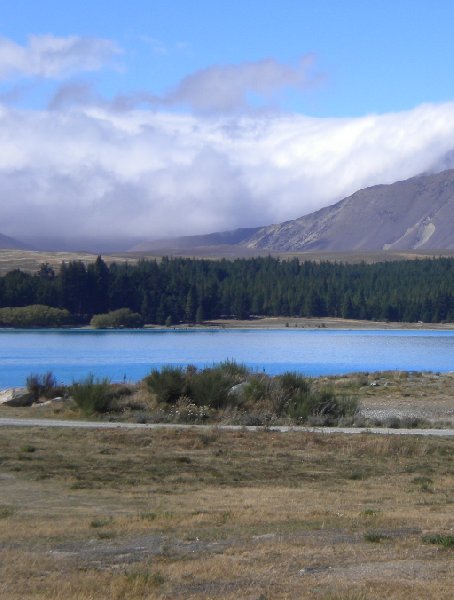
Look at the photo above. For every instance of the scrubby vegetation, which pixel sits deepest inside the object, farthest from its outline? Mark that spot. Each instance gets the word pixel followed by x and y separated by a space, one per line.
pixel 230 393
pixel 97 396
pixel 123 317
pixel 36 315
pixel 224 393
pixel 229 386
pixel 43 386
pixel 181 290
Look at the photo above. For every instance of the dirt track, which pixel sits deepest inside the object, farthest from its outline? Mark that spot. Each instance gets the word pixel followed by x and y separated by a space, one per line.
pixel 281 428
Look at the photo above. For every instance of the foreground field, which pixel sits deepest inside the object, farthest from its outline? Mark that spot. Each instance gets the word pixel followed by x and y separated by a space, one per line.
pixel 216 514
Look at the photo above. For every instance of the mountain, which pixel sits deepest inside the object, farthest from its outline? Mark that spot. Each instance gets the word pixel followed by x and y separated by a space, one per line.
pixel 417 213
pixel 222 238
pixel 102 244
pixel 9 243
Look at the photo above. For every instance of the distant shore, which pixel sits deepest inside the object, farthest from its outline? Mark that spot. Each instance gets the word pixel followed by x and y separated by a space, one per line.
pixel 283 323
pixel 309 323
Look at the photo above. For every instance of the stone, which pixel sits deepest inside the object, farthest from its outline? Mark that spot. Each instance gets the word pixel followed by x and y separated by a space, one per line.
pixel 16 397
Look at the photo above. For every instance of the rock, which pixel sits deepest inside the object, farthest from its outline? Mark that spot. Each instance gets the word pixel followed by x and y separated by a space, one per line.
pixel 16 397
pixel 238 390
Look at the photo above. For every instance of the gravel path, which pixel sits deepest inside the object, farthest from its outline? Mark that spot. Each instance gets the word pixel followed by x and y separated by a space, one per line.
pixel 5 422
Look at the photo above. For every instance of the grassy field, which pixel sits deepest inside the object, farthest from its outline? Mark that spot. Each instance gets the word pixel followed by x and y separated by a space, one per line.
pixel 30 260
pixel 215 514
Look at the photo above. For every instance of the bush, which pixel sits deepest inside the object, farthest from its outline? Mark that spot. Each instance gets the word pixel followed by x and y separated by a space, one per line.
pixel 92 395
pixel 43 386
pixel 209 387
pixel 292 383
pixel 444 540
pixel 289 391
pixel 233 369
pixel 256 389
pixel 323 404
pixel 35 315
pixel 123 317
pixel 168 384
pixel 289 395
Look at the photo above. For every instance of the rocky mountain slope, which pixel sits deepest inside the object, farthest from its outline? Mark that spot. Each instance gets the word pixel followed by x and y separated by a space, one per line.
pixel 417 213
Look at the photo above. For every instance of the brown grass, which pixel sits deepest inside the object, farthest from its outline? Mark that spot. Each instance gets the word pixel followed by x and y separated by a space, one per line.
pixel 190 514
pixel 31 260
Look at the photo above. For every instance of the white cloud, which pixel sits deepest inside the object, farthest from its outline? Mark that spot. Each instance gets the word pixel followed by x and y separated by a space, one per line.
pixel 89 171
pixel 53 57
pixel 228 87
pixel 74 93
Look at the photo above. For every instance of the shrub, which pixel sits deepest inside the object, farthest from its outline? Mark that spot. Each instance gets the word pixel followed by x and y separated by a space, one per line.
pixel 375 537
pixel 35 315
pixel 211 387
pixel 231 385
pixel 168 384
pixel 323 404
pixel 6 511
pixel 292 382
pixel 92 395
pixel 28 448
pixel 447 541
pixel 233 369
pixel 43 386
pixel 288 394
pixel 256 389
pixel 123 317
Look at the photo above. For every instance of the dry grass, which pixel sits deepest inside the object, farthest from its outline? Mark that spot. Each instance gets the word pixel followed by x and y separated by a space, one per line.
pixel 31 260
pixel 190 514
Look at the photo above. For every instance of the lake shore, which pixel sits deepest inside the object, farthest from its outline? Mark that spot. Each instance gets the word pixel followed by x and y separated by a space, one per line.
pixel 311 323
pixel 280 323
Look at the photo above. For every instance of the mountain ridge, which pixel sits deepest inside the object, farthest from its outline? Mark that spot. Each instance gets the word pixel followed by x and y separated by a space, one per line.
pixel 411 214
pixel 415 213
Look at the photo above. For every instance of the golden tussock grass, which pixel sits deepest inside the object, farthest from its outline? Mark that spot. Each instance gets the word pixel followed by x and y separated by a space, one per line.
pixel 191 514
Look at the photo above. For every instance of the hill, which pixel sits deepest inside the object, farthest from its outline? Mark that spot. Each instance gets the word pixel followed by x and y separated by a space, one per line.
pixel 9 243
pixel 407 215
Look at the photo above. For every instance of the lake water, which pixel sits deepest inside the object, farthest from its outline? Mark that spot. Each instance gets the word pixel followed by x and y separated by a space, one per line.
pixel 131 354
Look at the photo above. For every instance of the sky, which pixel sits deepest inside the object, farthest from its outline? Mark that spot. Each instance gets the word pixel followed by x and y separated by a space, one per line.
pixel 160 118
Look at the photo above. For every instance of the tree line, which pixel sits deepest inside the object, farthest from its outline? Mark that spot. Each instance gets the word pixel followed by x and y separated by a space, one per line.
pixel 176 290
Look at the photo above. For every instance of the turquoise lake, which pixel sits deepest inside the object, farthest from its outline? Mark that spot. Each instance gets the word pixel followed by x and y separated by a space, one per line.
pixel 131 354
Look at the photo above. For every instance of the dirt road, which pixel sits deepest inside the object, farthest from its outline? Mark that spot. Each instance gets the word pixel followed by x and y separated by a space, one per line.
pixel 4 422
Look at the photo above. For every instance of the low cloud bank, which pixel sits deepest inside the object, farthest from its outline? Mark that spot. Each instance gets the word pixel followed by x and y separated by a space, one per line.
pixel 88 171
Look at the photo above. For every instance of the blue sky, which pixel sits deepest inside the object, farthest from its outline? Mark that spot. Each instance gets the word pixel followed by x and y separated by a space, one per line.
pixel 370 56
pixel 165 118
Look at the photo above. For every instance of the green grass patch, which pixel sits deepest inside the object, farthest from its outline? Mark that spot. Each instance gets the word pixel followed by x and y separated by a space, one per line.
pixel 446 541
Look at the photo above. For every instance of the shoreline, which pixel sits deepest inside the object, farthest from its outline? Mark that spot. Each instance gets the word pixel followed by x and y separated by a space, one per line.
pixel 309 323
pixel 320 323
